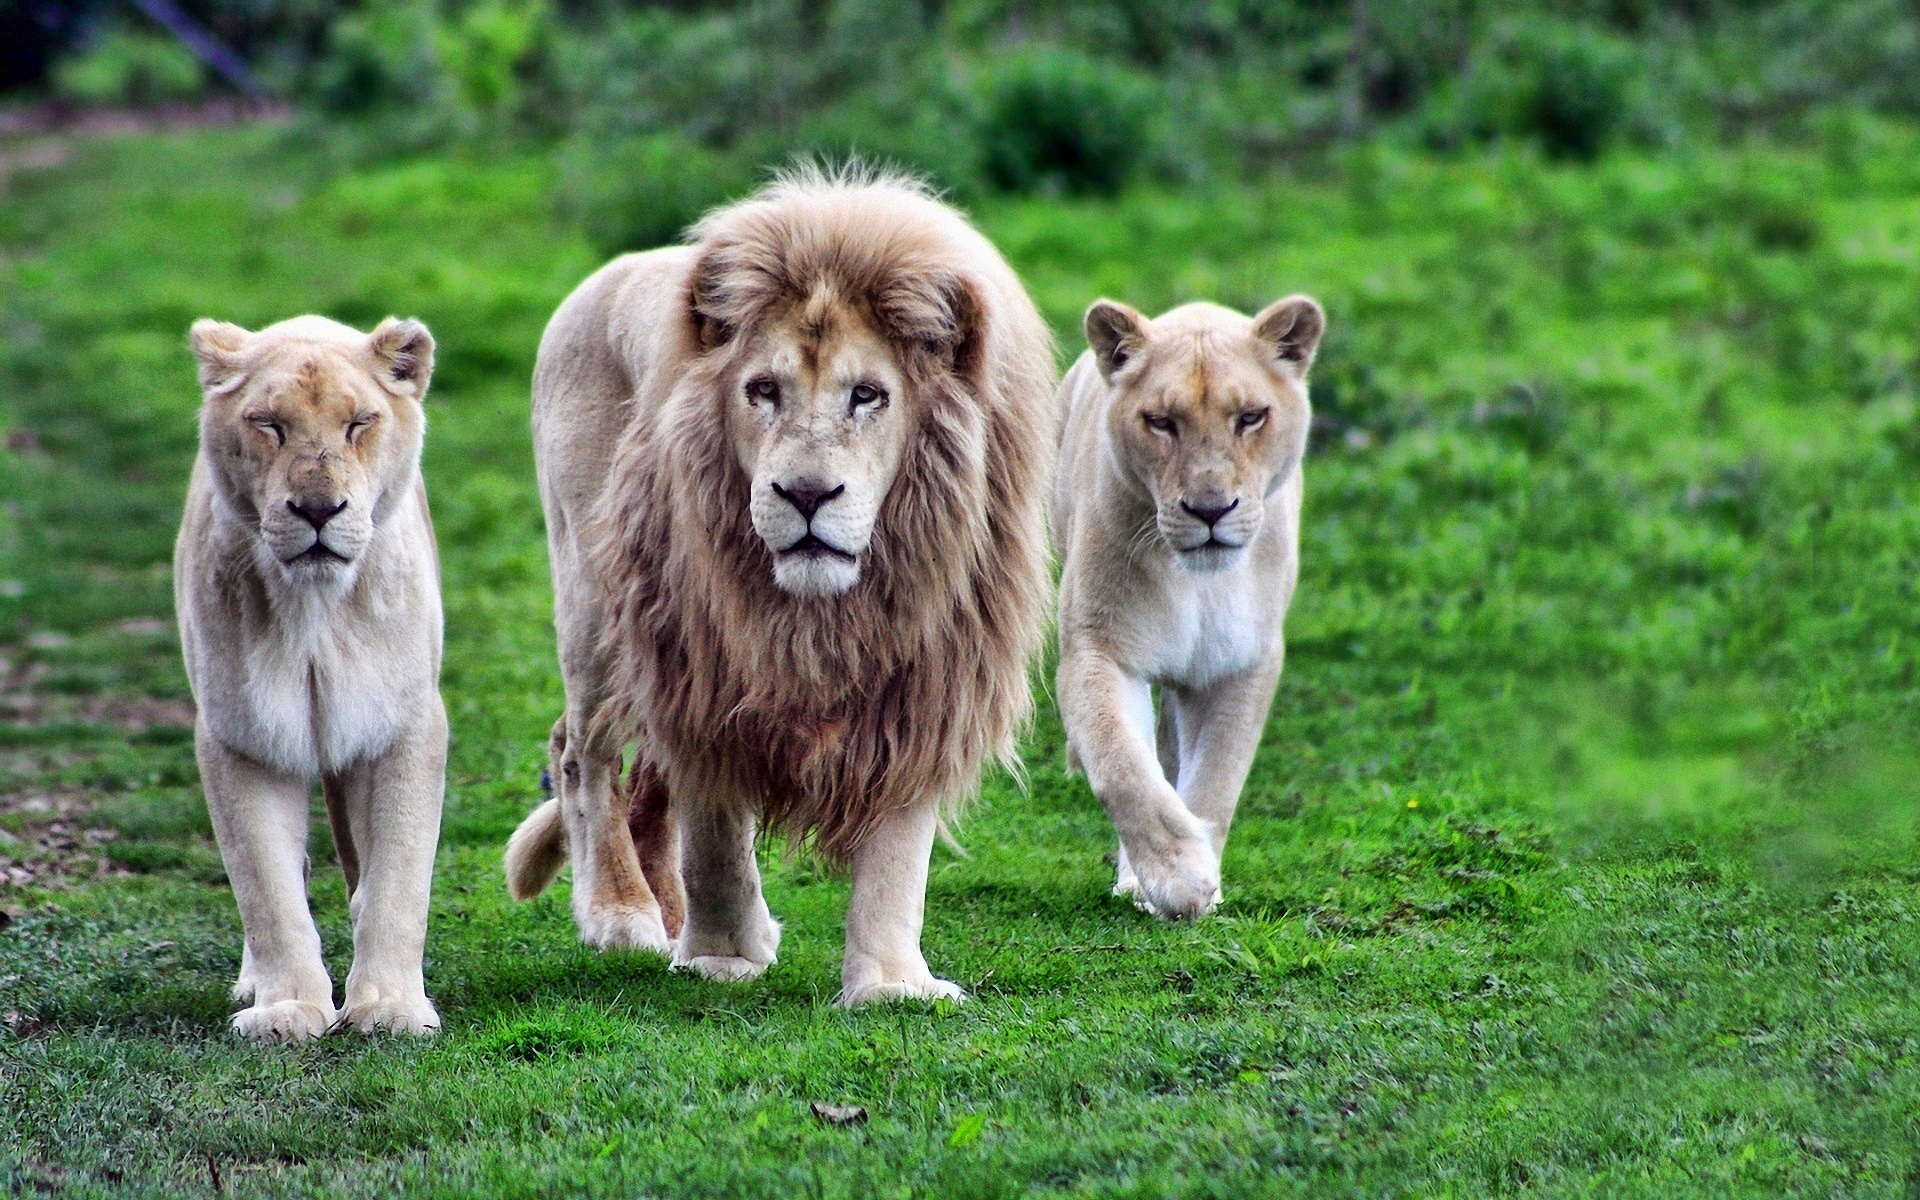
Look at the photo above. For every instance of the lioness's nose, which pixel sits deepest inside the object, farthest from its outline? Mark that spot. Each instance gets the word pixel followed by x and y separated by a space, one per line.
pixel 807 495
pixel 316 515
pixel 1210 513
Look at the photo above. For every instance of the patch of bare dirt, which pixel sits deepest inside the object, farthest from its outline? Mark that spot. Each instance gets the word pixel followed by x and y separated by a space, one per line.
pixel 39 137
pixel 24 702
pixel 48 840
pixel 34 120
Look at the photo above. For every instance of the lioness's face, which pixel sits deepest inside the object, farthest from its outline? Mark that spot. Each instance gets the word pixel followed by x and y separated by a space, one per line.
pixel 819 421
pixel 1209 413
pixel 312 432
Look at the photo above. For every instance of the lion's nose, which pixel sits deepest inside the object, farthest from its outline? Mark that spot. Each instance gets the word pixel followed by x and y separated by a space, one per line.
pixel 807 495
pixel 1210 513
pixel 316 515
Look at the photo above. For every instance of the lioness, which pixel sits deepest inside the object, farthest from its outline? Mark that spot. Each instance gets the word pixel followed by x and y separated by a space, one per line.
pixel 1177 516
pixel 794 479
pixel 309 598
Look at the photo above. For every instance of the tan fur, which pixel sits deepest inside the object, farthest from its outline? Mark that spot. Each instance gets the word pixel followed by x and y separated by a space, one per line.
pixel 313 651
pixel 1177 514
pixel 845 700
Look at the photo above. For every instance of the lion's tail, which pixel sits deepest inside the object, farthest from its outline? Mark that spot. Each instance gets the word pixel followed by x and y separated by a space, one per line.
pixel 536 852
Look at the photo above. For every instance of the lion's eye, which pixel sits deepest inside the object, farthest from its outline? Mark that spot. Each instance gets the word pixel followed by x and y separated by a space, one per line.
pixel 1247 422
pixel 358 426
pixel 865 395
pixel 1161 424
pixel 270 426
pixel 763 391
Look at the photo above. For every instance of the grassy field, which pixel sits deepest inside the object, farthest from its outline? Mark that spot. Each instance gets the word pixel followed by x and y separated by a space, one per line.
pixel 1581 855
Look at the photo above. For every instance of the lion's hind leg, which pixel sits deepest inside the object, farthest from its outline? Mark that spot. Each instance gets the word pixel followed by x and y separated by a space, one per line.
pixel 656 840
pixel 613 906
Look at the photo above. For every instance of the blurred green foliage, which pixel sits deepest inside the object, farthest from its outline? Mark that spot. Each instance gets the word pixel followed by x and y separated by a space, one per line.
pixel 129 67
pixel 1033 96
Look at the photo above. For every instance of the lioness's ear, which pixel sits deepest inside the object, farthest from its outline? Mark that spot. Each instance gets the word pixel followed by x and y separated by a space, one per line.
pixel 1116 333
pixel 403 351
pixel 1292 328
pixel 217 345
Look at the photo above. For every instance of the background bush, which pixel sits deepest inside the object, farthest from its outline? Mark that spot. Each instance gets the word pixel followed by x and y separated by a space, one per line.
pixel 129 67
pixel 1054 121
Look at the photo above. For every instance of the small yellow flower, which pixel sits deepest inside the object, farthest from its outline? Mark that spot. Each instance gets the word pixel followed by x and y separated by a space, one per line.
pixel 1413 804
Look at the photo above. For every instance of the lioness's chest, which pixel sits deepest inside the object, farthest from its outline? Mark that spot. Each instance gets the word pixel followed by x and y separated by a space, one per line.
pixel 1205 628
pixel 317 699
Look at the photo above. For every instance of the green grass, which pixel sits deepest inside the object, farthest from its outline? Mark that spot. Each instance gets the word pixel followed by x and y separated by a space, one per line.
pixel 1580 857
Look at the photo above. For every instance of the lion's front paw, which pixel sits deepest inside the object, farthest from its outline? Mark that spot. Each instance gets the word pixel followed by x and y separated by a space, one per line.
pixel 924 987
pixel 620 927
pixel 392 1014
pixel 745 954
pixel 283 1021
pixel 1179 886
pixel 723 968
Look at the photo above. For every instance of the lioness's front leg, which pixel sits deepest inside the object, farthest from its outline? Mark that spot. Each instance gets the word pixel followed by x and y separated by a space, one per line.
pixel 728 933
pixel 260 821
pixel 1218 728
pixel 885 916
pixel 392 808
pixel 1167 849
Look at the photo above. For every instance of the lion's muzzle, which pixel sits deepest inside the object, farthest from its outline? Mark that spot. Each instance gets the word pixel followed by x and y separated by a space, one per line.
pixel 816 532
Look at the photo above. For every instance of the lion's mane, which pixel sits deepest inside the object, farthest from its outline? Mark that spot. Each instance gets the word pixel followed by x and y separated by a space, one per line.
pixel 833 713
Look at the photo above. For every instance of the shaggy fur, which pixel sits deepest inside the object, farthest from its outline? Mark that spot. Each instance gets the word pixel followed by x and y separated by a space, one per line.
pixel 845 705
pixel 836 713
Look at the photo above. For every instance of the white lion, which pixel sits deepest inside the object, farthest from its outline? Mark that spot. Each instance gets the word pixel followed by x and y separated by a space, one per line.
pixel 1177 515
pixel 794 478
pixel 308 592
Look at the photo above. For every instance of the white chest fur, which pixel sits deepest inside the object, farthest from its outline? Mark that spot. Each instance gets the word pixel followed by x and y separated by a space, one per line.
pixel 310 678
pixel 1208 626
pixel 316 696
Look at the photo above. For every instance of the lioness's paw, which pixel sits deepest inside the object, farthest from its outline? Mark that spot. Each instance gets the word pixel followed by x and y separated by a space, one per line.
pixel 612 927
pixel 1181 886
pixel 283 1021
pixel 924 988
pixel 723 968
pixel 392 1014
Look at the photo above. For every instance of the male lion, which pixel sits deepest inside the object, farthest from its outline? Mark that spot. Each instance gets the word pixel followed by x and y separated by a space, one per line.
pixel 793 476
pixel 309 599
pixel 1177 514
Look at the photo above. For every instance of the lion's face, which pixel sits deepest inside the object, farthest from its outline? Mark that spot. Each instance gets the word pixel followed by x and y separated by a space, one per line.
pixel 312 432
pixel 1209 414
pixel 820 419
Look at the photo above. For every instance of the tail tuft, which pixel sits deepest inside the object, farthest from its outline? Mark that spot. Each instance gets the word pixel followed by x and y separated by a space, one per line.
pixel 536 852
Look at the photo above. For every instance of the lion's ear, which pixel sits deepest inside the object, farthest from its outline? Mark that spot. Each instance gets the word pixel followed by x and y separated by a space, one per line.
pixel 1116 333
pixel 964 343
pixel 937 311
pixel 403 353
pixel 711 329
pixel 217 346
pixel 1291 329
